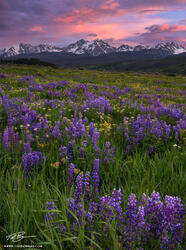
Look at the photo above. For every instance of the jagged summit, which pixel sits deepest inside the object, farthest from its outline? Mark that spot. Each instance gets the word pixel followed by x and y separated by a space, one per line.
pixel 173 47
pixel 25 48
pixel 94 48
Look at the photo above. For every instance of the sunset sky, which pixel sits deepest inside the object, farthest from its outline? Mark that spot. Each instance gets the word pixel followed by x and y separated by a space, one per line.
pixel 60 22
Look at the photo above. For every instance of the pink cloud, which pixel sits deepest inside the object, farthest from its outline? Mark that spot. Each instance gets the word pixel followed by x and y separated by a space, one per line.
pixel 85 14
pixel 161 32
pixel 165 28
pixel 36 29
pixel 109 5
pixel 76 16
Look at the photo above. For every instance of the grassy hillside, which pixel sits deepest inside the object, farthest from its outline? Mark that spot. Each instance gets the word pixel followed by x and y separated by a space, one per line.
pixel 170 64
pixel 27 61
pixel 128 61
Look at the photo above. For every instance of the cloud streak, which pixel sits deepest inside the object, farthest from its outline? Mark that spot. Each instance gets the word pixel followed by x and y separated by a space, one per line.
pixel 36 29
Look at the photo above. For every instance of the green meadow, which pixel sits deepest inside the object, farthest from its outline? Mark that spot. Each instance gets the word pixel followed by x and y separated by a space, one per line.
pixel 119 105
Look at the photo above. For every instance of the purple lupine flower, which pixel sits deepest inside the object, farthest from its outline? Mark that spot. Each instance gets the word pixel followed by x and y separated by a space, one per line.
pixel 70 153
pixel 127 149
pixel 49 218
pixel 106 150
pixel 82 150
pixel 2 75
pixel 56 133
pixel 166 130
pixel 70 175
pixel 110 207
pixel 44 123
pixel 116 202
pixel 79 215
pixel 176 236
pixel 13 137
pixel 173 206
pixel 131 211
pixel 95 178
pixel 87 186
pixel 91 129
pixel 88 219
pixel 85 120
pixel 49 103
pixel 108 153
pixel 93 207
pixel 121 103
pixel 100 103
pixel 80 127
pixel 154 213
pixel 6 143
pixel 105 208
pixel 5 103
pixel 151 148
pixel 95 136
pixel 29 138
pixel 71 207
pixel 50 205
pixel 92 210
pixel 26 78
pixel 176 113
pixel 96 151
pixel 172 222
pixel 131 220
pixel 76 128
pixel 61 109
pixel 181 125
pixel 163 222
pixel 144 126
pixel 29 160
pixel 78 188
pixel 79 210
pixel 140 223
pixel 143 199
pixel 62 154
pixel 61 228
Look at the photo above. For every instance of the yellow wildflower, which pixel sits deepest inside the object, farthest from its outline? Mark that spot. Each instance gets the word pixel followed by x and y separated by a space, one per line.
pixel 55 165
pixel 77 170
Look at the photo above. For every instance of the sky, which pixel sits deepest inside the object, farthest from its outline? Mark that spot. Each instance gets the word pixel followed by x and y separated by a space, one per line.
pixel 61 22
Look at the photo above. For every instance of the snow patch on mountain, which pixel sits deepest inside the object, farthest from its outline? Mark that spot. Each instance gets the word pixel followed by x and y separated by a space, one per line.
pixel 94 48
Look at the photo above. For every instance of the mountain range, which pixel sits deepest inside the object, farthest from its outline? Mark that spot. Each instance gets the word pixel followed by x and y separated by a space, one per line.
pixel 92 48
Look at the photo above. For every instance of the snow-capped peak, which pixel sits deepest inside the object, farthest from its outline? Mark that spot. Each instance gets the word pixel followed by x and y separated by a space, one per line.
pixel 124 48
pixel 94 48
pixel 28 48
pixel 172 47
pixel 2 51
